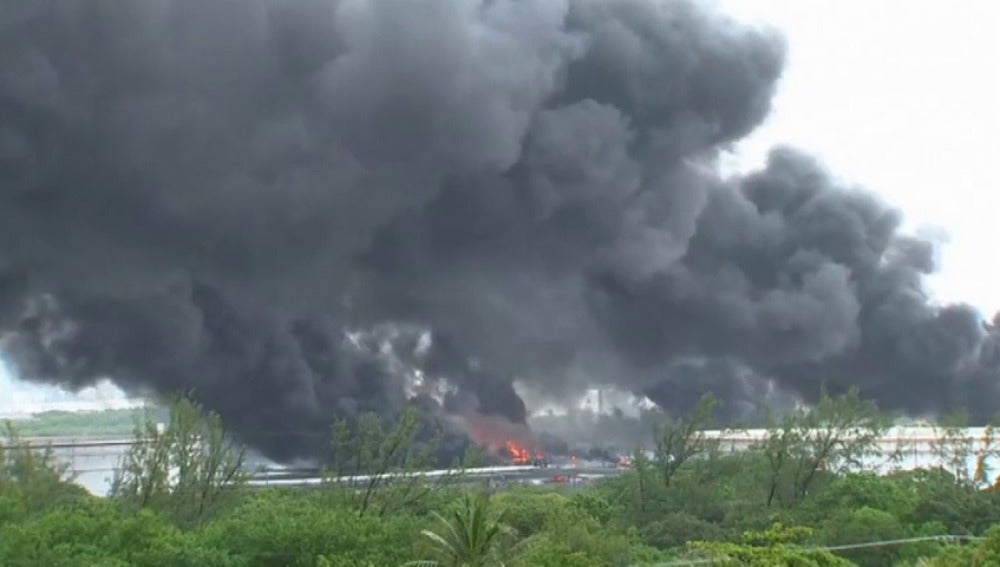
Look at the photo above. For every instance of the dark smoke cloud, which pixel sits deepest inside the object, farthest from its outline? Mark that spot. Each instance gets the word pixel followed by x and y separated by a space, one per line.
pixel 306 210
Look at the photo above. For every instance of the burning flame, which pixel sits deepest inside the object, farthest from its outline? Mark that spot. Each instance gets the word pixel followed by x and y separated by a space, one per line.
pixel 518 453
pixel 521 455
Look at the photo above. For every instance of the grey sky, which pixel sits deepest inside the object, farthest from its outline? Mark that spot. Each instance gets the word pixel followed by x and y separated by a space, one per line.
pixel 923 129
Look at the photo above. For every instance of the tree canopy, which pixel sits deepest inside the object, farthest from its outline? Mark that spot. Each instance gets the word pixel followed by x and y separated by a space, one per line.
pixel 180 498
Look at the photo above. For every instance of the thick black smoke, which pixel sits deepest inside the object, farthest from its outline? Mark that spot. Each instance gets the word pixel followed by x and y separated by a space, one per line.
pixel 217 196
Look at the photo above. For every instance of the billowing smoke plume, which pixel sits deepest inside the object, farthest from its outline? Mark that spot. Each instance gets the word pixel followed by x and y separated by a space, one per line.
pixel 303 210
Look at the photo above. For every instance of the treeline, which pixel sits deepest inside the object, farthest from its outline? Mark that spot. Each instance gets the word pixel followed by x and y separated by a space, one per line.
pixel 801 497
pixel 58 423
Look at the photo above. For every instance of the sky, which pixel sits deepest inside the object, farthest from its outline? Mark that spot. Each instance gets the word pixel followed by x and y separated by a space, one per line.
pixel 899 96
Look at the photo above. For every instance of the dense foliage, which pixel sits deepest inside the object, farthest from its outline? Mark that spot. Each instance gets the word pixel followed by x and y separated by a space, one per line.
pixel 800 498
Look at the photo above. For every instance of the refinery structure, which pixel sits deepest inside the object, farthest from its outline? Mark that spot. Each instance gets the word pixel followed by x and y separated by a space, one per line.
pixel 518 455
pixel 92 461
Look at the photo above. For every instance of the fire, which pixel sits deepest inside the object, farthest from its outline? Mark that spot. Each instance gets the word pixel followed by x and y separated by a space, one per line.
pixel 502 438
pixel 497 435
pixel 521 455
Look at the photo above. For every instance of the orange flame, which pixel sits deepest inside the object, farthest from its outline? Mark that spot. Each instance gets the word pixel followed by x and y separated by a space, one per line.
pixel 520 455
pixel 497 435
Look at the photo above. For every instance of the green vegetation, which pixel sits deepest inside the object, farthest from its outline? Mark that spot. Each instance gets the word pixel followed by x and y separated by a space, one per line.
pixel 798 499
pixel 106 423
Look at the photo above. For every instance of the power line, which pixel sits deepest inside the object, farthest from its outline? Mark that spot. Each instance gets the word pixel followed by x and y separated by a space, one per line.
pixel 946 538
pixel 891 542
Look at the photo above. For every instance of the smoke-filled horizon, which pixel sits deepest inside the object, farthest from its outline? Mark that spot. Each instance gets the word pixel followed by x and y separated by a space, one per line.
pixel 303 211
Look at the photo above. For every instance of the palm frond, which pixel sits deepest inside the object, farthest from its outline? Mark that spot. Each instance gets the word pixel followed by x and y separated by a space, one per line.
pixel 440 541
pixel 469 535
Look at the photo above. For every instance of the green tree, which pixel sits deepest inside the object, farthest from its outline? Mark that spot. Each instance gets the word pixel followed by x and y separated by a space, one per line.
pixel 833 436
pixel 529 510
pixel 989 448
pixel 941 497
pixel 95 531
pixel 853 491
pixel 986 552
pixel 31 478
pixel 863 525
pixel 548 551
pixel 952 446
pixel 637 488
pixel 372 465
pixel 775 546
pixel 470 537
pixel 676 529
pixel 299 528
pixel 682 439
pixel 187 470
pixel 59 423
